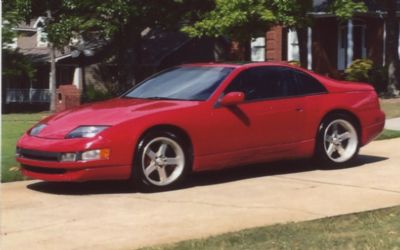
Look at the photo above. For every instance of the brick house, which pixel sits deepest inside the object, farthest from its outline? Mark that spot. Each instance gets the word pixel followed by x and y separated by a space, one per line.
pixel 331 44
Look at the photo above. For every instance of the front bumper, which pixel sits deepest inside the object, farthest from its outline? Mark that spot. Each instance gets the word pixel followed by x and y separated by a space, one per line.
pixel 40 160
pixel 77 175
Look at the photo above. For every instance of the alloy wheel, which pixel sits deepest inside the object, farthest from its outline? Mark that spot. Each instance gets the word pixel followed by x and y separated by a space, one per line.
pixel 163 161
pixel 340 140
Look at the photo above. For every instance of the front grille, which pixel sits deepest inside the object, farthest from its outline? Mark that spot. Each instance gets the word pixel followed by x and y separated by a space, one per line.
pixel 38 155
pixel 44 170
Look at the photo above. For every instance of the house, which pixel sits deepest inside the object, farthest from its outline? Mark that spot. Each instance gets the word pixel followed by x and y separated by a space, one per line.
pixel 31 41
pixel 82 62
pixel 332 44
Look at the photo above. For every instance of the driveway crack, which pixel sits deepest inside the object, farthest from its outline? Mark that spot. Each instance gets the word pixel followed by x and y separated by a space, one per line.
pixel 229 205
pixel 338 184
pixel 5 233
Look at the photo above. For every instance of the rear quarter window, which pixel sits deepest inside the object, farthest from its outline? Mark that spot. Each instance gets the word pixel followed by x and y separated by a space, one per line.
pixel 308 84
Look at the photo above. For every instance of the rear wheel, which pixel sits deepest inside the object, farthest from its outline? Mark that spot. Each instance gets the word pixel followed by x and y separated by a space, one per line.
pixel 338 140
pixel 161 162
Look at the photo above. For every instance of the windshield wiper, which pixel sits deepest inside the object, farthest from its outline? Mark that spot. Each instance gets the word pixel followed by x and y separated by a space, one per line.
pixel 163 98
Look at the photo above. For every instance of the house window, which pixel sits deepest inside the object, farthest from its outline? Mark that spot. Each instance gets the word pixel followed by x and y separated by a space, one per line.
pixel 258 49
pixel 41 35
pixel 359 49
pixel 293 46
pixel 41 38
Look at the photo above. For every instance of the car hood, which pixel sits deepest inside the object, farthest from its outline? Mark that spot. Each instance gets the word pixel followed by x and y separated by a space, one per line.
pixel 106 113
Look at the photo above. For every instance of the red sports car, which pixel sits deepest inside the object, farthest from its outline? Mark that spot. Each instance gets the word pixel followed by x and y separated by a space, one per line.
pixel 202 117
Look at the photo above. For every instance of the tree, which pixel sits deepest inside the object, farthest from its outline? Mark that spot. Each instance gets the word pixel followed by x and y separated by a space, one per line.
pixel 14 12
pixel 294 14
pixel 243 19
pixel 392 45
pixel 239 20
pixel 17 11
pixel 121 23
pixel 16 66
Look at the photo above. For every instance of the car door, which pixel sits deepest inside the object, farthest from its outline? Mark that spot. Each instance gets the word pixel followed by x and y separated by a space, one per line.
pixel 314 93
pixel 269 121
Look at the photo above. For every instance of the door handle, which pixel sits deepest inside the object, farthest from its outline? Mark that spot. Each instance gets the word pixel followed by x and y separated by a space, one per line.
pixel 299 109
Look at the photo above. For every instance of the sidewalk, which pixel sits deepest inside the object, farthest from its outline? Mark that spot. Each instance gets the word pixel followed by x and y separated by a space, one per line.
pixel 393 124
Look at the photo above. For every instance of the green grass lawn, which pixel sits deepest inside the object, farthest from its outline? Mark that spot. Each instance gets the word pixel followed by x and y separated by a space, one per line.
pixel 379 229
pixel 13 126
pixel 388 134
pixel 391 107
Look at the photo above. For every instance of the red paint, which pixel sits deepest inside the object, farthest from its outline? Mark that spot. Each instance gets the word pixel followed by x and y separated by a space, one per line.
pixel 233 98
pixel 222 136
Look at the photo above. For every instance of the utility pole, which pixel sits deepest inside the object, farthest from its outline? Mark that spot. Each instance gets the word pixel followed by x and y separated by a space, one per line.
pixel 52 75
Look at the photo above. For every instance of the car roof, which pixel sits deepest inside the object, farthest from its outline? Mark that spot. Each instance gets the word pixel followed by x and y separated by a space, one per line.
pixel 242 64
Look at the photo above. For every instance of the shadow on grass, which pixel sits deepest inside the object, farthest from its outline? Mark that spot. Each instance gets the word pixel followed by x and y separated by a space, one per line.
pixel 198 179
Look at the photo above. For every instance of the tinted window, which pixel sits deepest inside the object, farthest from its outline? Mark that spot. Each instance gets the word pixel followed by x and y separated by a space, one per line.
pixel 308 84
pixel 264 82
pixel 184 83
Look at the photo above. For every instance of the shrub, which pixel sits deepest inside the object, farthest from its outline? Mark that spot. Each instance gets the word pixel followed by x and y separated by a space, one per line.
pixel 93 94
pixel 364 70
pixel 295 63
pixel 359 70
pixel 17 67
pixel 379 78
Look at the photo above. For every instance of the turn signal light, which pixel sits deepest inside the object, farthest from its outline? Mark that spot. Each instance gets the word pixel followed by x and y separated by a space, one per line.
pixel 97 154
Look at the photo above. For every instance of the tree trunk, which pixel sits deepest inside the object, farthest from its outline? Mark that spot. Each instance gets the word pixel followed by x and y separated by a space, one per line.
pixel 129 60
pixel 137 63
pixel 247 50
pixel 52 77
pixel 119 58
pixel 82 65
pixel 392 44
pixel 302 38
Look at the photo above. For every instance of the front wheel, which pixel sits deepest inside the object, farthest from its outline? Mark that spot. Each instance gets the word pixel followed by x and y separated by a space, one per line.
pixel 162 161
pixel 338 140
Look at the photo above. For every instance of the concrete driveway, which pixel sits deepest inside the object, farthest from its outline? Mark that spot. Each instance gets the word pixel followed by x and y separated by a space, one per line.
pixel 393 124
pixel 109 215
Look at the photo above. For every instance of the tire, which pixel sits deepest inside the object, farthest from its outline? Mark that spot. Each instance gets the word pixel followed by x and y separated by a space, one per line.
pixel 162 161
pixel 338 140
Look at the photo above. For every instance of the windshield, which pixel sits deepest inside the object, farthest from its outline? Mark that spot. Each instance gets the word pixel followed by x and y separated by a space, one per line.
pixel 181 83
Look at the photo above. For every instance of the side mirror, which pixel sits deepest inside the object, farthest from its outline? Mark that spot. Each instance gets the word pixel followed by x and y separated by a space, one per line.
pixel 232 98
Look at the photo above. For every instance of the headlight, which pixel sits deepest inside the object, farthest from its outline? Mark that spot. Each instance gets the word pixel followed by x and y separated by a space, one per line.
pixel 85 131
pixel 90 155
pixel 17 152
pixel 36 130
pixel 68 157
